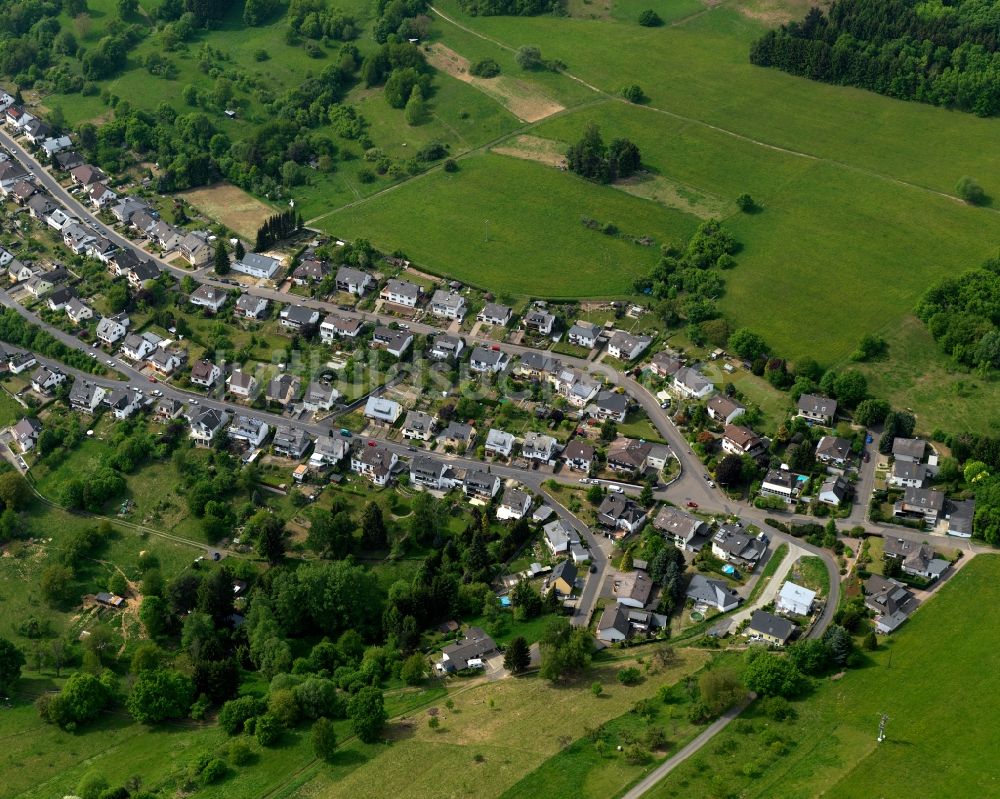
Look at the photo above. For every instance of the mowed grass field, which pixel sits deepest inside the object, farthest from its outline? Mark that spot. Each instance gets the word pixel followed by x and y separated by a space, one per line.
pixel 938 736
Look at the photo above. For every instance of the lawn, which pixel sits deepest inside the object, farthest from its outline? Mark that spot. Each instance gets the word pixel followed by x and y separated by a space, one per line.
pixel 830 749
pixel 774 404
pixel 497 733
pixel 536 245
pixel 779 554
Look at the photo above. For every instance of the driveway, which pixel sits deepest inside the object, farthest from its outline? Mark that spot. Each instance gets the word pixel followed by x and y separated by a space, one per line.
pixel 771 589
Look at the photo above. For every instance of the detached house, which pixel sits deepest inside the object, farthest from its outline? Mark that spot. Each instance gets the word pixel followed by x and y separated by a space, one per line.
pixel 401 292
pixel 206 425
pixel 353 281
pixel 906 474
pixel 46 378
pixel 283 389
pixel 329 451
pixel 85 396
pixel 205 373
pixel 795 599
pixel 457 435
pixel 782 484
pixel 559 537
pixel 290 442
pixel 26 433
pixel 447 304
pixel 514 504
pixel 257 265
pixel 446 347
pixel 583 334
pixel 579 455
pixel 374 462
pixel 724 409
pixel 20 361
pixel 250 307
pixel 909 450
pixel 395 342
pixel 627 347
pixel 101 196
pixel 713 593
pixel 299 317
pixel 834 491
pixel 689 382
pixel 310 271
pixel 208 297
pixel 195 249
pixel 769 628
pixel 124 402
pixel 241 384
pixel 833 451
pixel 491 361
pixel 539 447
pixel 540 322
pixel 733 544
pixel 816 408
pixel 165 361
pixel 915 559
pixel 319 396
pixel 431 473
pixel 890 600
pixel 481 485
pixel 249 430
pixel 382 411
pixel 494 314
pixel 686 531
pixel 633 589
pixel 612 405
pixel 920 503
pixel 419 426
pixel 621 514
pixel 339 326
pixel 87 175
pixel 499 443
pixel 741 441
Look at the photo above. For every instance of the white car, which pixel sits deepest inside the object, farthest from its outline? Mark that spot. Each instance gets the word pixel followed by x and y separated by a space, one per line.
pixel 616 489
pixel 711 484
pixel 109 362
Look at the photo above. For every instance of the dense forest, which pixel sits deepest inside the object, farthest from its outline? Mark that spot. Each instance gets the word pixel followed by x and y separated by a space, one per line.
pixel 963 315
pixel 931 51
pixel 512 8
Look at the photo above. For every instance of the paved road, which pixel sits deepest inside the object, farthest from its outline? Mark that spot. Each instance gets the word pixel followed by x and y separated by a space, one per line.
pixel 647 783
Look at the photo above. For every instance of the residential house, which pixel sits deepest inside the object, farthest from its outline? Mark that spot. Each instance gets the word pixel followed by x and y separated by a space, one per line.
pixel 713 593
pixel 834 451
pixel 37 131
pixel 481 485
pixel 319 396
pixel 909 450
pixel 142 274
pixel 432 473
pixel 834 490
pixel 559 536
pixel 206 425
pixel 915 559
pixel 539 447
pixel 26 433
pixel 112 329
pixel 165 361
pixel 299 317
pixel 249 430
pixel 579 455
pixel 794 599
pixel 339 326
pixel 621 514
pixel 446 347
pixel 20 272
pixel 627 347
pixel 59 218
pixel 257 265
pixel 168 408
pixel 816 408
pixel 196 249
pixel 205 373
pixel 290 442
pixel 374 462
pixel 353 281
pixel 68 160
pixel 633 589
pixel 329 451
pixel 488 360
pixel 578 388
pixel 85 396
pixel 725 409
pixel 101 196
pixel 739 440
pixel 920 503
pixel 208 297
pixel 418 426
pixel 907 474
pixel 960 517
pixel 457 435
pixel 781 483
pixel 59 298
pixel 583 334
pixel 101 249
pixel 395 342
pixel 401 292
pixel 447 304
pixel 612 405
pixel 46 378
pixel 382 411
pixel 56 144
pixel 143 220
pixel 124 402
pixel 18 362
pixel 735 545
pixel 769 628
pixel 540 322
pixel 310 271
pixel 630 455
pixel 495 314
pixel 469 653
pixel 514 504
pixel 241 384
pixel 22 191
pixel 563 578
pixel 499 443
pixel 689 382
pixel 687 532
pixel 126 208
pixel 890 600
pixel 77 238
pixel 536 365
pixel 283 389
pixel 249 306
pixel 87 175
pixel 613 626
pixel 39 206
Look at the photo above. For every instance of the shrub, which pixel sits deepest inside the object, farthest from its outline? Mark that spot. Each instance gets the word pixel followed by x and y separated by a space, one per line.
pixel 240 753
pixel 633 93
pixel 267 729
pixel 746 203
pixel 636 754
pixel 236 713
pixel 485 68
pixel 650 19
pixel 629 676
pixel 214 770
pixel 451 165
pixel 970 191
pixel 778 708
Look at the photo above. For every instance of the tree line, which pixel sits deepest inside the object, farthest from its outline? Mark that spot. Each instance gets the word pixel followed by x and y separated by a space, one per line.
pixel 945 54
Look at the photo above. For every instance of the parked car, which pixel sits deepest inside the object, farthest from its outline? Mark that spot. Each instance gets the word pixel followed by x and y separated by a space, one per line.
pixel 692 504
pixel 616 489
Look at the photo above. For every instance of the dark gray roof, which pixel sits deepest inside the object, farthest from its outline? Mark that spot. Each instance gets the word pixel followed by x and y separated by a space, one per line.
pixel 767 623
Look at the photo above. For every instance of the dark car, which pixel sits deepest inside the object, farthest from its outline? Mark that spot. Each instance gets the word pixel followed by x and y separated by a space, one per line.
pixel 593 569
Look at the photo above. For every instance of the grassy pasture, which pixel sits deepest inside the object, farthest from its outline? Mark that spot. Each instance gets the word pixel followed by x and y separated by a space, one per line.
pixel 933 741
pixel 230 205
pixel 537 245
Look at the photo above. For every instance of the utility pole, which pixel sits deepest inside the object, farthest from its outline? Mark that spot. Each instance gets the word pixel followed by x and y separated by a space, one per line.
pixel 883 719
